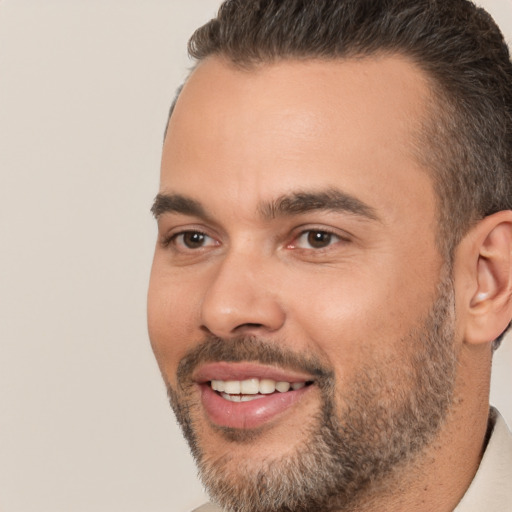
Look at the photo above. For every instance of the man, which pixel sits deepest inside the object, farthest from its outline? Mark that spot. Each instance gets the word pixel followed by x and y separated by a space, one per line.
pixel 333 269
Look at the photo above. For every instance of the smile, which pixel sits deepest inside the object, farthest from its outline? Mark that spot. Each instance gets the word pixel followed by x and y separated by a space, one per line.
pixel 252 389
pixel 238 398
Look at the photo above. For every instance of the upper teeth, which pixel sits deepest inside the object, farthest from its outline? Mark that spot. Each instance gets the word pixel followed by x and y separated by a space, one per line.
pixel 253 386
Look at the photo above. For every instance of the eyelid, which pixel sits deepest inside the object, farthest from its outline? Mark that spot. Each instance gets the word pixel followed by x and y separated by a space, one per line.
pixel 183 246
pixel 342 236
pixel 172 234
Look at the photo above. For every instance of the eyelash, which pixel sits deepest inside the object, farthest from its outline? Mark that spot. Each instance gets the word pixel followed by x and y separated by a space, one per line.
pixel 294 244
pixel 173 237
pixel 316 230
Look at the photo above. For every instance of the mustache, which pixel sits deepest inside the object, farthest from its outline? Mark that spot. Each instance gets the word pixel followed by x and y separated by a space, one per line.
pixel 251 349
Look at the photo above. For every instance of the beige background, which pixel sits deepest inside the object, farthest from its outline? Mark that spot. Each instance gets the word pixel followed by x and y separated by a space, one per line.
pixel 85 86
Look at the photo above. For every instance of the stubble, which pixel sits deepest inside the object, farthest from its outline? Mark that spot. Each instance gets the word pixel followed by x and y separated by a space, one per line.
pixel 358 440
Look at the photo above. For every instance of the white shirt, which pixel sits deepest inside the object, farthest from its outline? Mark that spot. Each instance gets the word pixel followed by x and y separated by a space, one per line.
pixel 491 489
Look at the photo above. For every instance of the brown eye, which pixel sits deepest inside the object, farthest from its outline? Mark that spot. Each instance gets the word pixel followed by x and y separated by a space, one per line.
pixel 315 239
pixel 319 239
pixel 192 240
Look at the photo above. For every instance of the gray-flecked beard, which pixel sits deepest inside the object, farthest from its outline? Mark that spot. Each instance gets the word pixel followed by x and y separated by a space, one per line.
pixel 352 449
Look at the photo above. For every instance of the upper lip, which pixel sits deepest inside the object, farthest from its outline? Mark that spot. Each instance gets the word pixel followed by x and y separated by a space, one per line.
pixel 241 371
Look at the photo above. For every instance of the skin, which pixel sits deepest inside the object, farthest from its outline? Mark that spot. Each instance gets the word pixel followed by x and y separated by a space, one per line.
pixel 238 141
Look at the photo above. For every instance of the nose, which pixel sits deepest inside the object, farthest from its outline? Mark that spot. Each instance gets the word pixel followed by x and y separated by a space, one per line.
pixel 242 298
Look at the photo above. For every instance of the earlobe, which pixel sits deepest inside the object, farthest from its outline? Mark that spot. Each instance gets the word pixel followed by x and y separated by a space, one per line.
pixel 490 306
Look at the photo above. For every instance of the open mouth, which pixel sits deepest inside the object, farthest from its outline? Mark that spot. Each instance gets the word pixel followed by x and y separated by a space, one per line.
pixel 247 395
pixel 253 389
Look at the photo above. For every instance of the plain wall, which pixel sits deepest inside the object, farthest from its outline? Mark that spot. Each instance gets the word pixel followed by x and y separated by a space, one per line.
pixel 85 86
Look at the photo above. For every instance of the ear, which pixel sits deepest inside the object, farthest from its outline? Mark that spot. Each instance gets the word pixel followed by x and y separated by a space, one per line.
pixel 487 250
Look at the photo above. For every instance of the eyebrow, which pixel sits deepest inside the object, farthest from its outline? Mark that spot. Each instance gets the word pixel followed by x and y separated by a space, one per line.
pixel 287 205
pixel 176 203
pixel 331 199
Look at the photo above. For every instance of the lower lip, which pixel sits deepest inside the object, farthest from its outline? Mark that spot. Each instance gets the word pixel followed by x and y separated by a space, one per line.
pixel 247 415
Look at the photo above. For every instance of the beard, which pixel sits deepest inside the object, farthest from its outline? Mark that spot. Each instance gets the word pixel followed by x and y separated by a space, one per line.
pixel 355 444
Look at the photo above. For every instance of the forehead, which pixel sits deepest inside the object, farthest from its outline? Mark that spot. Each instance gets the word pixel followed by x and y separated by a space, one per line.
pixel 260 132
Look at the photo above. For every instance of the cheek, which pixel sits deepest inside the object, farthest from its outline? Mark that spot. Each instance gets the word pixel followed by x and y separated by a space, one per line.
pixel 351 315
pixel 171 325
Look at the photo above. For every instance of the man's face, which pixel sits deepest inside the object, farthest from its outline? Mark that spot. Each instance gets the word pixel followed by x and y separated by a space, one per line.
pixel 296 251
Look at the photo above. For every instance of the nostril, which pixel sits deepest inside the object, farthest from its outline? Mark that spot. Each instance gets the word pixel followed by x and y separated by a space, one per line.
pixel 249 326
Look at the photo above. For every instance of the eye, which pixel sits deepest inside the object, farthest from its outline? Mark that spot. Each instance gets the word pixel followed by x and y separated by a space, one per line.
pixel 314 239
pixel 190 240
